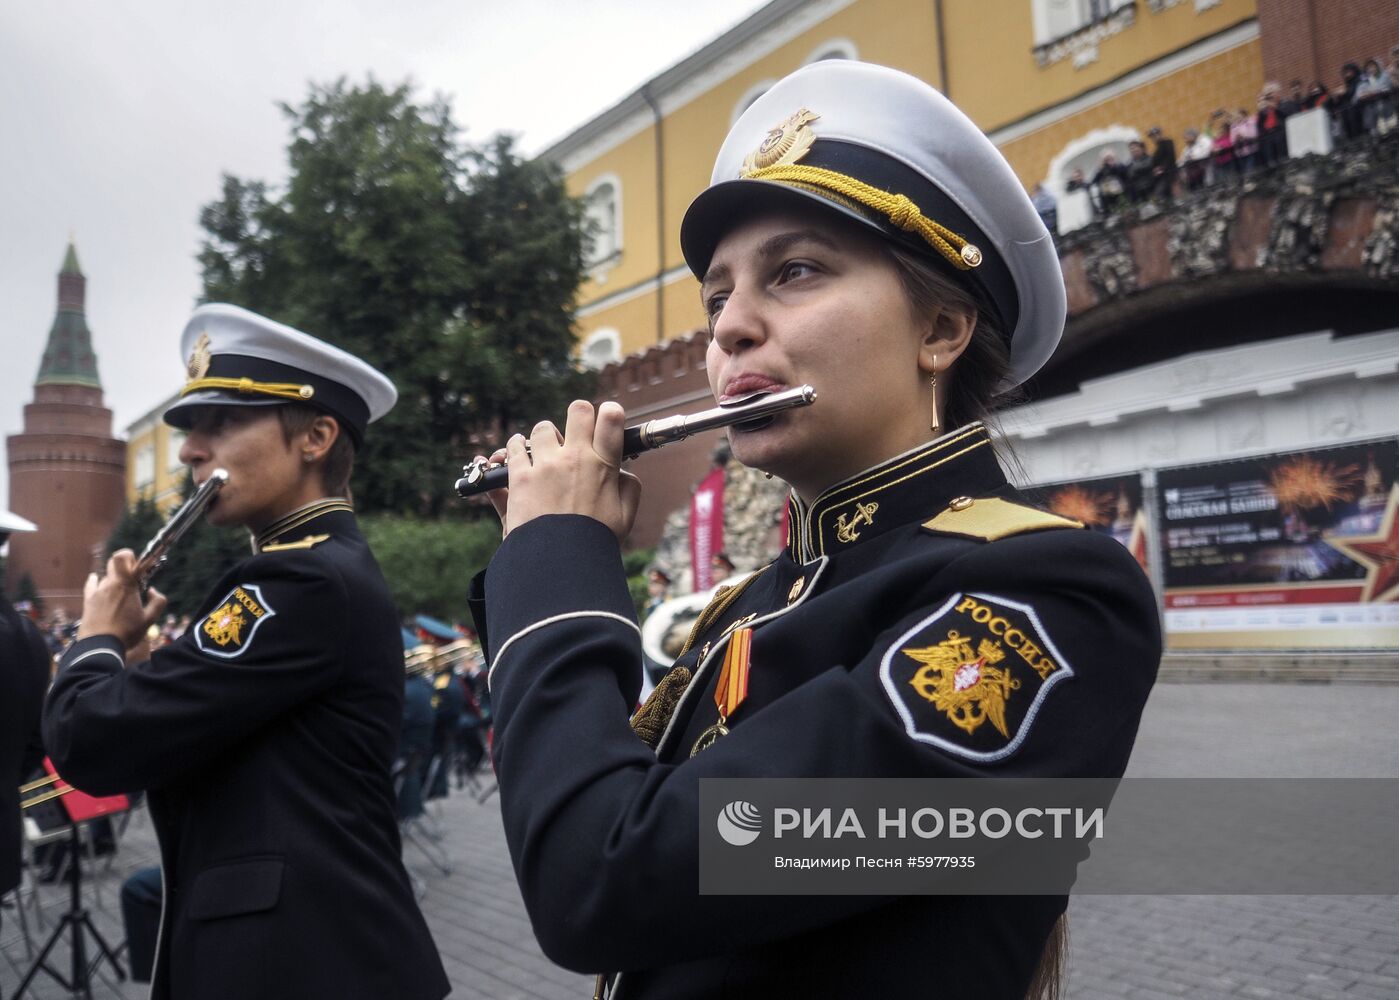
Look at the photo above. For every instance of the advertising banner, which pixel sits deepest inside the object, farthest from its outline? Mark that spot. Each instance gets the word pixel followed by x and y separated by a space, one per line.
pixel 1288 551
pixel 1111 504
pixel 707 527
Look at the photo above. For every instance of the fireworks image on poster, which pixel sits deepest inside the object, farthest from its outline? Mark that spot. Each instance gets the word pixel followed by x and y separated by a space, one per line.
pixel 1112 505
pixel 1293 549
pixel 1092 507
pixel 1303 482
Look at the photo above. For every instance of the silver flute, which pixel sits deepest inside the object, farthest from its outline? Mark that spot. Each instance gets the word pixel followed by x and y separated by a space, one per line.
pixel 481 476
pixel 158 548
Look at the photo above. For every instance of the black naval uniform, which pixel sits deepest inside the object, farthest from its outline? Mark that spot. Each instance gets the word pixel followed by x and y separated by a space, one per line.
pixel 928 551
pixel 25 663
pixel 265 736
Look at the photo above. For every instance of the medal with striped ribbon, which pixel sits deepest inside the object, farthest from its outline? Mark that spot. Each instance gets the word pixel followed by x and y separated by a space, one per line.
pixel 732 687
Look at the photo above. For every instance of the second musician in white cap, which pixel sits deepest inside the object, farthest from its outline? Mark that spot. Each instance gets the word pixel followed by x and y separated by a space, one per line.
pixel 265 734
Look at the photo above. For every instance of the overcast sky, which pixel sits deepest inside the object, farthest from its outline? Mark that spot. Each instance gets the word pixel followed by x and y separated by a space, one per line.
pixel 117 120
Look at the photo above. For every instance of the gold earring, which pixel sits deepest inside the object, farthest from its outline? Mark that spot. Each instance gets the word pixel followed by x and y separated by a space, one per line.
pixel 933 425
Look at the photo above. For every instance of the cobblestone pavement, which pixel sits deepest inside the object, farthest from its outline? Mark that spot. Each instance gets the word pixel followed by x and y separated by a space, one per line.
pixel 1122 947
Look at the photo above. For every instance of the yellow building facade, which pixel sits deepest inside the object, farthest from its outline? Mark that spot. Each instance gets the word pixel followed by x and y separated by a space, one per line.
pixel 1054 83
pixel 153 469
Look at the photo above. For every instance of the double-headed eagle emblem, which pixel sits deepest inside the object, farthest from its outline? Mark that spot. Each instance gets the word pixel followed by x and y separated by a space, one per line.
pixel 965 682
pixel 225 624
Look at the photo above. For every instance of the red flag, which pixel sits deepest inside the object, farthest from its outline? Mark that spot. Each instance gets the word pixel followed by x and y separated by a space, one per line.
pixel 707 527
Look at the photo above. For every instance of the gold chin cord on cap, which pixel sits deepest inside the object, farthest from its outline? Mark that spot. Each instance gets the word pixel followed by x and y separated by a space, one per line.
pixel 899 209
pixel 282 390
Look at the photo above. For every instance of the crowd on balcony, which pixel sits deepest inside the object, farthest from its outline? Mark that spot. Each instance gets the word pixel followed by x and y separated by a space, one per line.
pixel 1231 145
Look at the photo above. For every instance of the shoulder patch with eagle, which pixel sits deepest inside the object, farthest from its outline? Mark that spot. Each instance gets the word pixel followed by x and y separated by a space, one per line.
pixel 227 631
pixel 971 677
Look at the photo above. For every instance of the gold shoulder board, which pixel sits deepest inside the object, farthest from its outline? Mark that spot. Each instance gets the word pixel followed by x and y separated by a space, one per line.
pixel 987 519
pixel 309 542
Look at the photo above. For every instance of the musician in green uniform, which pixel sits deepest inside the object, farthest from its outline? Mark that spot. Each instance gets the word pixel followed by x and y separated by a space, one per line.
pixel 265 734
pixel 861 235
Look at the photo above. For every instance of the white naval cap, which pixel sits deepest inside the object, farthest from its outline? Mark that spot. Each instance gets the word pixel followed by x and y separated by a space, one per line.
pixel 886 149
pixel 11 522
pixel 237 358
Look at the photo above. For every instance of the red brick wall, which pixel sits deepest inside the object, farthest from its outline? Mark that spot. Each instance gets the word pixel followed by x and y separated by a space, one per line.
pixel 1311 39
pixel 661 382
pixel 74 488
pixel 68 476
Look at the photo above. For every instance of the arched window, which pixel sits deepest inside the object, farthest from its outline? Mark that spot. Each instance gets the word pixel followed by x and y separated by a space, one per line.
pixel 1057 18
pixel 833 48
pixel 1085 155
pixel 749 96
pixel 173 443
pixel 145 466
pixel 602 210
pixel 600 348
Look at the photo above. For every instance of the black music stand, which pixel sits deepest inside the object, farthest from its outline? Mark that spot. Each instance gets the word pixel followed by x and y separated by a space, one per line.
pixel 78 923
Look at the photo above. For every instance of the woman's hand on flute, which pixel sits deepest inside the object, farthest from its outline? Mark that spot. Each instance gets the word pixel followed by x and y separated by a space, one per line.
pixel 112 605
pixel 578 472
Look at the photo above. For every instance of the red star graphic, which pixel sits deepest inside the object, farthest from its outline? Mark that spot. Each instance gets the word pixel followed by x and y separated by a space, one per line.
pixel 1379 553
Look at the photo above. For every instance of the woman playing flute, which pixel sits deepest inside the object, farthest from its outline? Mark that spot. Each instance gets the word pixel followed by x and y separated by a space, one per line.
pixel 861 235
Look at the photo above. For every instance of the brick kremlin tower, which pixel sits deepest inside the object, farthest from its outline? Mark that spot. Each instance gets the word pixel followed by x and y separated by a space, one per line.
pixel 67 471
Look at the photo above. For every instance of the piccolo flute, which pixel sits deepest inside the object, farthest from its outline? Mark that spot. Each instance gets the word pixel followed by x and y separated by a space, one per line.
pixel 482 477
pixel 156 551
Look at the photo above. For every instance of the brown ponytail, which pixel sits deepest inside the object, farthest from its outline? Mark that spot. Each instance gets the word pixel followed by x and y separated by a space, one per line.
pixel 1048 981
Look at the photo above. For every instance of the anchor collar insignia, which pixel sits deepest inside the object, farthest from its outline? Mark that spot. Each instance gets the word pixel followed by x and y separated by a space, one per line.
pixel 905 488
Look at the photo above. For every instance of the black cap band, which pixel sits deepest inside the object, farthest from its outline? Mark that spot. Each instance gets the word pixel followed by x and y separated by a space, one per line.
pixel 326 395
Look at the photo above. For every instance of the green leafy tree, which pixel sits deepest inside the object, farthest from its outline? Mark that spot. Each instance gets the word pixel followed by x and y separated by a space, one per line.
pixel 449 267
pixel 428 564
pixel 634 564
pixel 136 526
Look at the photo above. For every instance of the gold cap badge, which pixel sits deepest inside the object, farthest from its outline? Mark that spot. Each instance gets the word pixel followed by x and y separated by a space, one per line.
pixel 199 358
pixel 783 146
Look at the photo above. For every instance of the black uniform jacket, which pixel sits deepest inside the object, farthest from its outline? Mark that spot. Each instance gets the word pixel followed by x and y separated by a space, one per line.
pixel 265 736
pixel 604 832
pixel 25 664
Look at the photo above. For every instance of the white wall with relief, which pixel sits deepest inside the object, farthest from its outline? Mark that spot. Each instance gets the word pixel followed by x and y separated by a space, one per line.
pixel 1280 395
pixel 1239 567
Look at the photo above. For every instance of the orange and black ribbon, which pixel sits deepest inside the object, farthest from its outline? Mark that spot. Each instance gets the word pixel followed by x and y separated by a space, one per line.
pixel 733 678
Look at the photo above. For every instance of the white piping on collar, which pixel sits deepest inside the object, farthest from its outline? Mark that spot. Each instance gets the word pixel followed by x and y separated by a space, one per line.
pixel 893 460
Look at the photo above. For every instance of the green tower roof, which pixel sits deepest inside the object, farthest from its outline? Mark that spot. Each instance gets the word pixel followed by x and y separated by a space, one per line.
pixel 70 261
pixel 68 358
